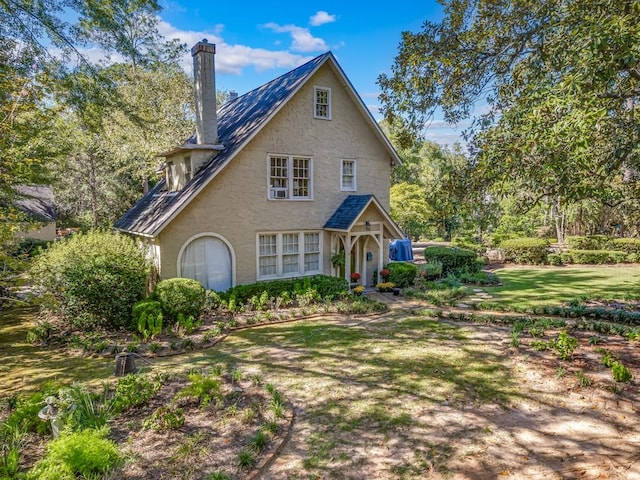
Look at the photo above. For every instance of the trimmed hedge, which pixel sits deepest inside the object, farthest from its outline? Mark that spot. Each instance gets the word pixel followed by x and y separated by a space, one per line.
pixel 587 242
pixel 403 274
pixel 628 245
pixel 452 259
pixel 325 285
pixel 180 296
pixel 593 257
pixel 525 250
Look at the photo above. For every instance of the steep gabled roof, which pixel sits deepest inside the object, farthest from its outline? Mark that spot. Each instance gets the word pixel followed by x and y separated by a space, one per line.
pixel 346 215
pixel 239 121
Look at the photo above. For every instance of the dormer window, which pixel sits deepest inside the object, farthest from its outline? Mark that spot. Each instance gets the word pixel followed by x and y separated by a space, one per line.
pixel 322 103
pixel 170 172
pixel 187 169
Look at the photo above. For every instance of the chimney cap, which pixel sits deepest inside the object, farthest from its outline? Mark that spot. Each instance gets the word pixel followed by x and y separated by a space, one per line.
pixel 203 46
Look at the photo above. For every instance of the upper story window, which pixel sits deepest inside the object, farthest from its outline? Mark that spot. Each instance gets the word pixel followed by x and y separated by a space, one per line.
pixel 322 103
pixel 348 176
pixel 290 177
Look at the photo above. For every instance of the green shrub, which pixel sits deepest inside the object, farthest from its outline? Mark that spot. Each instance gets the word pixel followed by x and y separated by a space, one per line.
pixel 24 417
pixel 430 271
pixel 134 390
pixel 565 344
pixel 593 257
pixel 403 274
pixel 554 259
pixel 84 454
pixel 324 285
pixel 166 417
pixel 147 316
pixel 180 296
pixel 628 245
pixel 468 243
pixel 453 259
pixel 95 277
pixel 202 387
pixel 589 242
pixel 527 250
pixel 620 372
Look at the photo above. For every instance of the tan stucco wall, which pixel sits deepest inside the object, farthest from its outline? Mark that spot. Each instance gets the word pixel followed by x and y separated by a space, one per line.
pixel 235 205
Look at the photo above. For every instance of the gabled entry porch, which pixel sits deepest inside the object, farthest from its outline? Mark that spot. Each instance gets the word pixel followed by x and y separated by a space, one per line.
pixel 360 233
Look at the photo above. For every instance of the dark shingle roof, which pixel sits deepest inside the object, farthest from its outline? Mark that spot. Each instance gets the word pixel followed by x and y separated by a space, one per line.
pixel 348 212
pixel 38 202
pixel 238 121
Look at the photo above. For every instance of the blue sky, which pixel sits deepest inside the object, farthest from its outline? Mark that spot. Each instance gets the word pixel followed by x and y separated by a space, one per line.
pixel 257 41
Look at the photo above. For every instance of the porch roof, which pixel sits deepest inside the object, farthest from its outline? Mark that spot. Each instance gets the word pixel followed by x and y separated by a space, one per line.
pixel 350 210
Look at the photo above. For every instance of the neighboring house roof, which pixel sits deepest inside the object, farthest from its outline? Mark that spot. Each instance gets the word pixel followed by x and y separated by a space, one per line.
pixel 352 208
pixel 38 202
pixel 239 121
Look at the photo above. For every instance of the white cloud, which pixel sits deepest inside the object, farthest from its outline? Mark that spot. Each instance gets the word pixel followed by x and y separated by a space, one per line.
pixel 302 40
pixel 320 18
pixel 231 59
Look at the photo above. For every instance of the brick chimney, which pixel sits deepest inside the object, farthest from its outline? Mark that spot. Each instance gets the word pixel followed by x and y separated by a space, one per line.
pixel 204 77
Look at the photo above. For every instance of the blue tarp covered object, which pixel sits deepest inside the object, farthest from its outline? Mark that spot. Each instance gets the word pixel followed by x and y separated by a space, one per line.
pixel 400 250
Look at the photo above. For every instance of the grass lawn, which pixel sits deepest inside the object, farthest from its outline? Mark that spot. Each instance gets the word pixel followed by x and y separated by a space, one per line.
pixel 25 367
pixel 532 286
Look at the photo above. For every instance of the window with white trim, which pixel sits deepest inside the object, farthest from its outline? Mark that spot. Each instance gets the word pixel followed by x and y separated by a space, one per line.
pixel 290 177
pixel 348 176
pixel 322 103
pixel 288 254
pixel 268 255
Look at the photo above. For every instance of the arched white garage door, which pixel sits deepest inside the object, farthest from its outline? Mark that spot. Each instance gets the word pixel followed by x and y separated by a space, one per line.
pixel 208 260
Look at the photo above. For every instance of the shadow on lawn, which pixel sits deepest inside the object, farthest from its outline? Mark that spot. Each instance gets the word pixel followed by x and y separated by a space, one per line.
pixel 404 398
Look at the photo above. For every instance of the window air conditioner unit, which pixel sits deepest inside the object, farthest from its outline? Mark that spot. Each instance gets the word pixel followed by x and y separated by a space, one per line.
pixel 278 193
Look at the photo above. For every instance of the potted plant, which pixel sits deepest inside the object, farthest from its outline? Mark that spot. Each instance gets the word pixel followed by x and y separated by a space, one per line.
pixel 338 260
pixel 355 277
pixel 358 290
pixel 385 273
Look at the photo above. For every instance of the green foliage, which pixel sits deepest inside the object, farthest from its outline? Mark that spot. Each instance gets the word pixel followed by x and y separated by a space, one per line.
pixel 81 409
pixel 588 242
pixel 100 274
pixel 628 245
pixel 180 296
pixel 468 243
pixel 620 372
pixel 558 94
pixel 565 344
pixel 430 270
pixel 41 333
pixel 324 285
pixel 166 417
pixel 584 381
pixel 592 257
pixel 452 259
pixel 147 316
pixel 24 417
pixel 85 454
pixel 203 388
pixel 134 390
pixel 187 324
pixel 526 250
pixel 403 274
pixel 361 305
pixel 409 208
